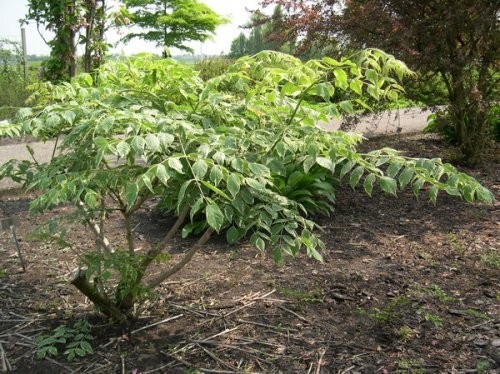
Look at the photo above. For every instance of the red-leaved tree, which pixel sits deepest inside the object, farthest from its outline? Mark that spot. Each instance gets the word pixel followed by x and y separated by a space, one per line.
pixel 458 39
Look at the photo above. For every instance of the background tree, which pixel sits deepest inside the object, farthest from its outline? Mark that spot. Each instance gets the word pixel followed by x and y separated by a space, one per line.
pixel 172 23
pixel 265 34
pixel 62 18
pixel 238 46
pixel 73 22
pixel 458 39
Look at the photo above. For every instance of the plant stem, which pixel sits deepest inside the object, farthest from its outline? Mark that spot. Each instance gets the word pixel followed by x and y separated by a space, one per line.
pixel 129 233
pixel 128 300
pixel 80 281
pixel 187 257
pixel 96 230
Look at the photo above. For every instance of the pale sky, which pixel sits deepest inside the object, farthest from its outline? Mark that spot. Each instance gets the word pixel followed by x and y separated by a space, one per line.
pixel 13 10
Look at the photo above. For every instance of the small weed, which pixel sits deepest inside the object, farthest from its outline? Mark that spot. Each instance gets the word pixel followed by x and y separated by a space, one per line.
pixel 390 314
pixel 405 333
pixel 234 255
pixel 409 366
pixel 492 259
pixel 436 320
pixel 478 314
pixel 440 294
pixel 455 244
pixel 482 366
pixel 74 341
pixel 3 273
pixel 314 296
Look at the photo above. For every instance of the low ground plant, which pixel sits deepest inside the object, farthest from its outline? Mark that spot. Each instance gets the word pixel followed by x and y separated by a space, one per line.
pixel 239 154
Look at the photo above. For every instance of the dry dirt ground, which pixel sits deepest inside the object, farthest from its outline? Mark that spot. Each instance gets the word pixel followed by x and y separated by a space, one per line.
pixel 406 287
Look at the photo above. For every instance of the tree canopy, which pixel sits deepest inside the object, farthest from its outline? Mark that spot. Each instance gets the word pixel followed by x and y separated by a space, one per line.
pixel 457 39
pixel 172 23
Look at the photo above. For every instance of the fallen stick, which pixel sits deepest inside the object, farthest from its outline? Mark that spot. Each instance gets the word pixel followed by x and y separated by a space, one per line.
pixel 157 323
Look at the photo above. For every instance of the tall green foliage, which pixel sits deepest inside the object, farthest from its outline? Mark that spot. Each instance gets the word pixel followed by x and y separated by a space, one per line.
pixel 239 154
pixel 172 23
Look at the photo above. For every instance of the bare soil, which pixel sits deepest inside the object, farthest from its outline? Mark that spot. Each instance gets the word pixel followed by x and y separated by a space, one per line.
pixel 406 287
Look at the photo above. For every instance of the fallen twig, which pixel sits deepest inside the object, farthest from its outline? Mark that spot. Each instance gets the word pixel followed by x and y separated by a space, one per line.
pixel 289 329
pixel 5 361
pixel 157 323
pixel 217 359
pixel 292 312
pixel 320 360
pixel 219 334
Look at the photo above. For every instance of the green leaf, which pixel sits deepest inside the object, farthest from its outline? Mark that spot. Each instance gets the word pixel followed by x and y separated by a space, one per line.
pixel 165 139
pixel 325 90
pixel 214 216
pixel 309 163
pixel 233 184
pixel 393 169
pixel 417 185
pixel 346 168
pixel 373 91
pixel 484 195
pixel 182 192
pixel 69 117
pixel 122 149
pixel 326 163
pixel 255 184
pixel 200 168
pixel 356 176
pixel 162 174
pixel 176 164
pixel 260 244
pixel 340 79
pixel 346 106
pixel 405 177
pixel 357 86
pixel 259 170
pixel 289 89
pixel 372 76
pixel 215 189
pixel 433 192
pixel 196 207
pixel 219 157
pixel 86 346
pixel 131 193
pixel 368 183
pixel 91 199
pixel 388 185
pixel 232 235
pixel 138 144
pixel 152 142
pixel 216 174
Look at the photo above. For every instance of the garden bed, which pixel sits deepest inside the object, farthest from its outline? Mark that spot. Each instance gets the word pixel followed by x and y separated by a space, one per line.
pixel 405 286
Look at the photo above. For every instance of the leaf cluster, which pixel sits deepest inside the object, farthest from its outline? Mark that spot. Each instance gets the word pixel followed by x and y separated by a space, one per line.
pixel 74 341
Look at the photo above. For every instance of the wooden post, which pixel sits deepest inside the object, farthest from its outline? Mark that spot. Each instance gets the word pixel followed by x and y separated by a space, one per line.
pixel 25 53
